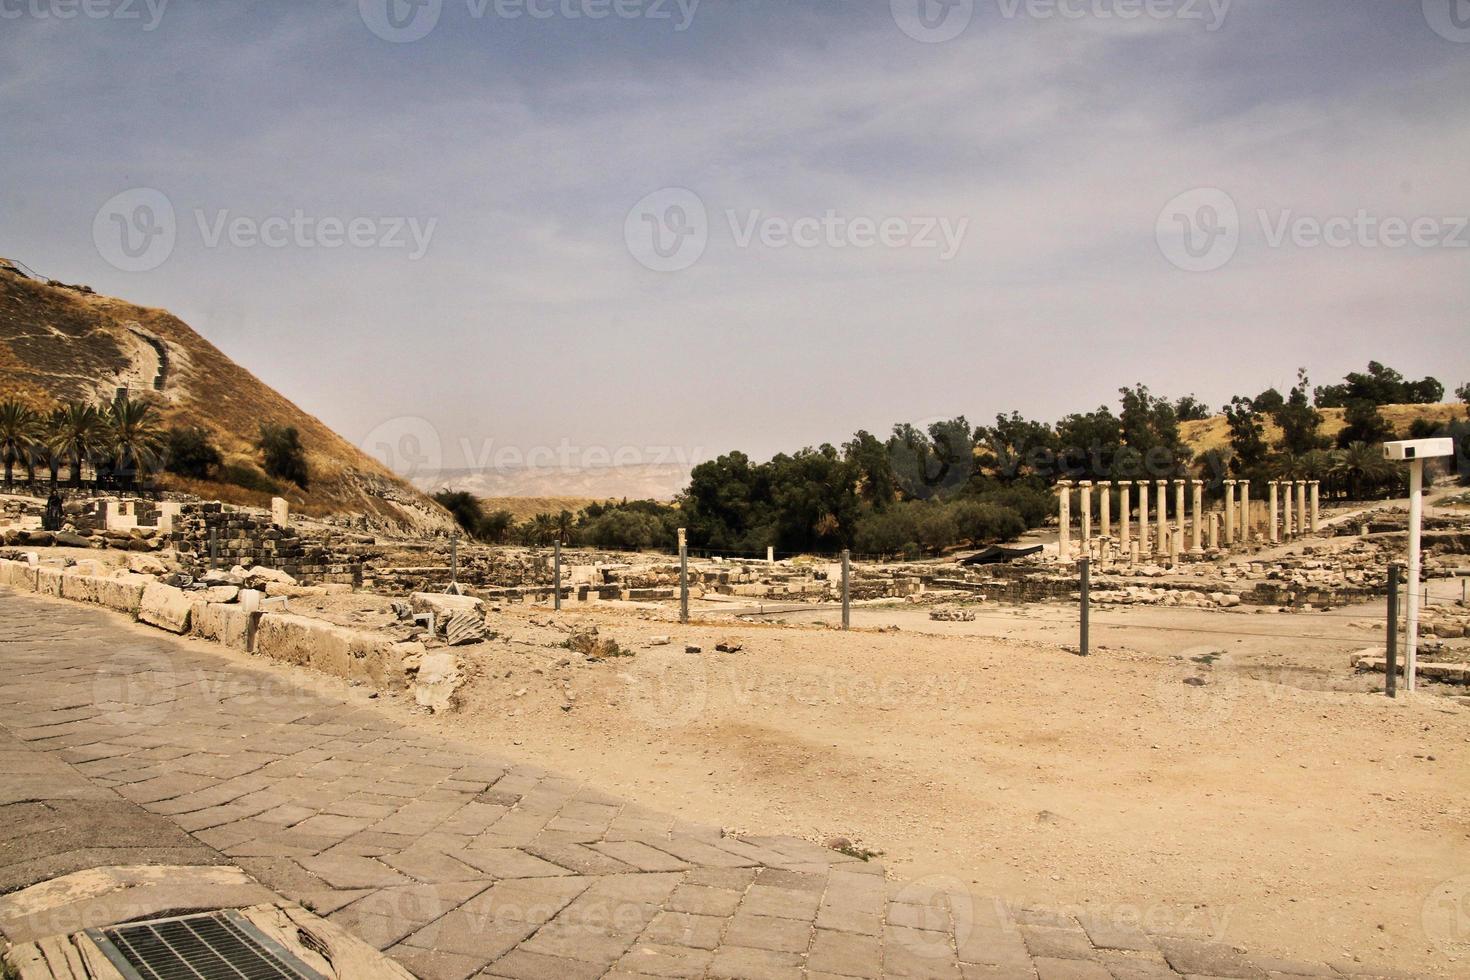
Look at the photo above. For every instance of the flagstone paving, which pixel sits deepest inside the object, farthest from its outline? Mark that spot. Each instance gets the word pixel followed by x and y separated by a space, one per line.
pixel 122 748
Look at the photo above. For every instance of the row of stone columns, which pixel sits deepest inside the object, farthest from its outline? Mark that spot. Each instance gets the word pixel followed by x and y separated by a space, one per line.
pixel 1297 518
pixel 1159 537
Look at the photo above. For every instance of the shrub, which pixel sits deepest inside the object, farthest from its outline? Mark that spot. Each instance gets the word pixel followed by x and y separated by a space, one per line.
pixel 986 523
pixel 249 477
pixel 188 452
pixel 284 456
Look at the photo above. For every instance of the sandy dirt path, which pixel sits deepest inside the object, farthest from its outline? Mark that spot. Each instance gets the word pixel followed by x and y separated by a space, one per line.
pixel 1271 801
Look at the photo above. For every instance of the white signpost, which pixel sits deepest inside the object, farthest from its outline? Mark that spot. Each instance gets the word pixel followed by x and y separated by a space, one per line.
pixel 1415 452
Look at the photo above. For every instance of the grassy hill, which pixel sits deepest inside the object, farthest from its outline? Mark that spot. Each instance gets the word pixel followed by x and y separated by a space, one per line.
pixel 61 343
pixel 1214 432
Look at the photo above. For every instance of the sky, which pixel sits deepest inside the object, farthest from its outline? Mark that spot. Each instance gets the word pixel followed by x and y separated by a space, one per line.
pixel 658 230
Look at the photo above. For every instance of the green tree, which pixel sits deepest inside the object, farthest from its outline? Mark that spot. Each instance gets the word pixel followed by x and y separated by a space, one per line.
pixel 877 482
pixel 1247 433
pixel 466 509
pixel 188 452
pixel 1382 386
pixel 1463 393
pixel 75 435
pixel 1017 448
pixel 133 436
pixel 1191 409
pixel 496 526
pixel 1300 423
pixel 1360 466
pixel 285 458
pixel 1365 424
pixel 20 431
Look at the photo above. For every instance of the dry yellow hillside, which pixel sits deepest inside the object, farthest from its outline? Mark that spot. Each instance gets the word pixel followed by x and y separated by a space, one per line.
pixel 59 344
pixel 1214 433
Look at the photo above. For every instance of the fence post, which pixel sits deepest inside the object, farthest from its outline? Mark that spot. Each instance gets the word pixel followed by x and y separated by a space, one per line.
pixel 1391 664
pixel 846 595
pixel 556 602
pixel 683 575
pixel 1085 566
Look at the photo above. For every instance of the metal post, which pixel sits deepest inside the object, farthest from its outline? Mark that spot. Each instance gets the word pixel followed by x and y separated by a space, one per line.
pixel 556 601
pixel 846 597
pixel 683 576
pixel 1086 568
pixel 1416 513
pixel 1391 666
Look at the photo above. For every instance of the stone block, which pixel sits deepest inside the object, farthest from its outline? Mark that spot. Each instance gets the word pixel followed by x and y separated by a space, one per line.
pixel 165 607
pixel 221 623
pixel 18 575
pixel 122 592
pixel 48 581
pixel 444 606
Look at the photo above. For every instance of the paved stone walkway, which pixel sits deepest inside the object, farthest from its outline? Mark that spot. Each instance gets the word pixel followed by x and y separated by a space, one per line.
pixel 121 748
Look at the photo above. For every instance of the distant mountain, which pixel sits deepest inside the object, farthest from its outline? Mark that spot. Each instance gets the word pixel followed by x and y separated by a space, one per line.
pixel 649 481
pixel 60 343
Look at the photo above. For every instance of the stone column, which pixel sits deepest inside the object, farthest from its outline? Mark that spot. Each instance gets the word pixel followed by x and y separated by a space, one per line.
pixel 1143 486
pixel 1199 506
pixel 1229 513
pixel 280 511
pixel 1105 501
pixel 1286 521
pixel 1125 514
pixel 1163 509
pixel 1085 503
pixel 1179 510
pixel 1316 512
pixel 1302 522
pixel 1245 512
pixel 1271 531
pixel 1214 531
pixel 1064 520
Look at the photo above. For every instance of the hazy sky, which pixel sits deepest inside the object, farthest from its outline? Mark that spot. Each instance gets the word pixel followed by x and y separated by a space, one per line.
pixel 862 212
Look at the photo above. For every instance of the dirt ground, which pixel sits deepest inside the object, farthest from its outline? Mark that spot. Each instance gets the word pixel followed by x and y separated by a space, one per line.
pixel 1274 801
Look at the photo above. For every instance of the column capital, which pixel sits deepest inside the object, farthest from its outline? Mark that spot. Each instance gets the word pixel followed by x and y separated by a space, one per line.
pixel 1105 484
pixel 1244 483
pixel 1230 483
pixel 1162 483
pixel 1198 483
pixel 1064 484
pixel 1144 483
pixel 1314 483
pixel 1085 484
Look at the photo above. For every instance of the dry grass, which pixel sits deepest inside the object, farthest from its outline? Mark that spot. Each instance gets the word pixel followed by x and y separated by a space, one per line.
pixel 1214 432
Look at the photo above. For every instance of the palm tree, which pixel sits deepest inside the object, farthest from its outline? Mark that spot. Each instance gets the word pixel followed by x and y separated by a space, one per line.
pixel 542 529
pixel 20 430
pixel 75 435
pixel 133 436
pixel 565 522
pixel 1361 464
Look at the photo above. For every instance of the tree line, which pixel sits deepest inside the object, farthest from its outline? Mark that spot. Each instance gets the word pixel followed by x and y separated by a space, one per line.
pixel 124 444
pixel 926 490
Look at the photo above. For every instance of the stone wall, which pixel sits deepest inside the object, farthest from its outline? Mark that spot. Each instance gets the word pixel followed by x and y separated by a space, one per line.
pixel 207 535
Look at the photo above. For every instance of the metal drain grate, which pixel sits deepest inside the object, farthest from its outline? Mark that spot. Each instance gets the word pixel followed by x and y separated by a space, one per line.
pixel 214 946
